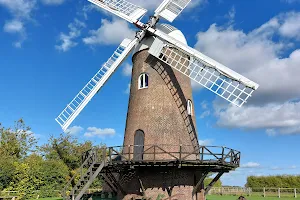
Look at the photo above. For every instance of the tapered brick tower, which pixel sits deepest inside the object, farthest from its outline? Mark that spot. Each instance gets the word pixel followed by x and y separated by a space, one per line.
pixel 160 107
pixel 160 112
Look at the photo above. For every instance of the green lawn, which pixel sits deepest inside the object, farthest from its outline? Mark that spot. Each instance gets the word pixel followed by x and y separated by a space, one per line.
pixel 248 198
pixel 215 198
pixel 53 198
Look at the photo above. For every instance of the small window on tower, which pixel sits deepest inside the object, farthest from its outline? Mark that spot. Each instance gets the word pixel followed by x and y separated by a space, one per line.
pixel 143 81
pixel 189 107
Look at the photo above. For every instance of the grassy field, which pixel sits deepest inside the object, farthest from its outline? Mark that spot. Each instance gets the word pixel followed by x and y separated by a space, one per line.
pixel 56 198
pixel 215 198
pixel 248 198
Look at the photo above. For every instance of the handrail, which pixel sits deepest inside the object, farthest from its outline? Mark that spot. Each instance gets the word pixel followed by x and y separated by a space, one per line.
pixel 179 153
pixel 79 171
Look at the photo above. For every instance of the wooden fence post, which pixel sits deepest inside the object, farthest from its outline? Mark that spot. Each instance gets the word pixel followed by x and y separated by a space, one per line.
pixel 264 192
pixel 295 193
pixel 278 192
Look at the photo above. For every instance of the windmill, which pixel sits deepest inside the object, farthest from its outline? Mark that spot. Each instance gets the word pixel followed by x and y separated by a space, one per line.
pixel 160 119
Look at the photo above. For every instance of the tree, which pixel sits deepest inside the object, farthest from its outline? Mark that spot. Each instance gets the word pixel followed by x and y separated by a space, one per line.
pixel 15 144
pixel 67 149
pixel 18 141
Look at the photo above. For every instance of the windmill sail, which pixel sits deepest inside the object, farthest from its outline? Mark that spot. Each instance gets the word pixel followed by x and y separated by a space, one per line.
pixel 73 109
pixel 170 9
pixel 124 9
pixel 210 74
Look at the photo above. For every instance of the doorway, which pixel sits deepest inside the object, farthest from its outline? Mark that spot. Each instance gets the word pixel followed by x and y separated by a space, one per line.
pixel 139 139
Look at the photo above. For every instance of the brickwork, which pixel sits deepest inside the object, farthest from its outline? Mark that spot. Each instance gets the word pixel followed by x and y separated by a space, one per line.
pixel 177 184
pixel 159 110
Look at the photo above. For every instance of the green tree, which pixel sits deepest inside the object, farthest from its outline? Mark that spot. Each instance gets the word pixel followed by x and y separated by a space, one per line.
pixel 67 149
pixel 17 141
pixel 208 180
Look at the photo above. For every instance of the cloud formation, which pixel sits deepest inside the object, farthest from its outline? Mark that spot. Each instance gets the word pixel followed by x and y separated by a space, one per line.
pixel 74 130
pixel 109 33
pixel 21 11
pixel 127 69
pixel 98 132
pixel 67 41
pixel 206 142
pixel 250 165
pixel 53 2
pixel 274 64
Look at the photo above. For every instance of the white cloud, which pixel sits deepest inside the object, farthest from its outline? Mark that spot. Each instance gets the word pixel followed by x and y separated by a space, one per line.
pixel 206 142
pixel 67 40
pixel 19 8
pixel 281 118
pixel 250 165
pixel 204 105
pixel 14 26
pixel 291 26
pixel 74 130
pixel 98 132
pixel 127 91
pixel 205 114
pixel 110 32
pixel 53 2
pixel 127 69
pixel 291 1
pixel 257 56
pixel 21 11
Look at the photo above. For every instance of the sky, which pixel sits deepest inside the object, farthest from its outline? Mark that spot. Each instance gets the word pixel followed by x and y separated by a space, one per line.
pixel 49 49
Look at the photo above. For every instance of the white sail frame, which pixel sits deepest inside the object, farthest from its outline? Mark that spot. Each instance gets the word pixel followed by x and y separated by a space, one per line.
pixel 67 116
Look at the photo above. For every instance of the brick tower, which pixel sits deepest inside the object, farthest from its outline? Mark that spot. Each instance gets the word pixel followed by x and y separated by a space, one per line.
pixel 160 112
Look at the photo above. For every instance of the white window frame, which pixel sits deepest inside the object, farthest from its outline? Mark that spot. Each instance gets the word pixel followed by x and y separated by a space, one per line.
pixel 143 77
pixel 189 107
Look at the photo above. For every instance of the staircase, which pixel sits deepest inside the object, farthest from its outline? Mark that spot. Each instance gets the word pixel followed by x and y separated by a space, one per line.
pixel 88 172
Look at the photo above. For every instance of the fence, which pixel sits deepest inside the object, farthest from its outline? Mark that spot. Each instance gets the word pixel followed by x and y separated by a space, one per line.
pixel 263 192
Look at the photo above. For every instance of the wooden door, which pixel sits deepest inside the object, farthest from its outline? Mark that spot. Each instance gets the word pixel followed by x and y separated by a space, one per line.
pixel 139 138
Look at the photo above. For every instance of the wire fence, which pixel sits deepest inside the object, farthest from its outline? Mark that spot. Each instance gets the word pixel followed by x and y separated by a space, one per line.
pixel 262 192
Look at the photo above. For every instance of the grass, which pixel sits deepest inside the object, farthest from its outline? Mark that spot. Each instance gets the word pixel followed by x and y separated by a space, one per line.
pixel 248 198
pixel 212 198
pixel 50 198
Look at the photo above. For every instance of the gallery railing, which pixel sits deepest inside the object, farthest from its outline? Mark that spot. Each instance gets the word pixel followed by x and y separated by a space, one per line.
pixel 171 153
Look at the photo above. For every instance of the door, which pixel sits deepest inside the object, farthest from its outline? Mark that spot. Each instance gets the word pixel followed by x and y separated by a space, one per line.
pixel 138 145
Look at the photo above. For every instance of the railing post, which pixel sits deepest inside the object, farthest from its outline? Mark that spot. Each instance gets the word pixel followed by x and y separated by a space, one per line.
pixel 222 154
pixel 154 153
pixel 264 192
pixel 278 192
pixel 180 152
pixel 202 152
pixel 129 152
pixel 104 155
pixel 110 159
pixel 295 193
pixel 231 156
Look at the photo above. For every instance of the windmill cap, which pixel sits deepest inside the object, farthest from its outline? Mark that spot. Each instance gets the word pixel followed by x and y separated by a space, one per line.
pixel 172 31
pixel 166 28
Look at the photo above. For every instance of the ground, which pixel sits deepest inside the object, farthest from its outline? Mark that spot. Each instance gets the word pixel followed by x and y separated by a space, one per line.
pixel 214 198
pixel 248 198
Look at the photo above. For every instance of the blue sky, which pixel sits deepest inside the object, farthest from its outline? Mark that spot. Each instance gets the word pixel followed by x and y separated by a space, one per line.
pixel 51 48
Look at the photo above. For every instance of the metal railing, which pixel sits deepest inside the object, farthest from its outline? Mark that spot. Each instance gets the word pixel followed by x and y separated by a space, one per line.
pixel 169 153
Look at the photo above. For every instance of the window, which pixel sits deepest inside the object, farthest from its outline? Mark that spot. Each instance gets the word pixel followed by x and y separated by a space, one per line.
pixel 189 107
pixel 143 81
